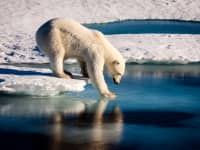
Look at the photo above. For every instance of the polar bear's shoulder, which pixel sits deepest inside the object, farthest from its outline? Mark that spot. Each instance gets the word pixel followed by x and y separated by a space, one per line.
pixel 72 27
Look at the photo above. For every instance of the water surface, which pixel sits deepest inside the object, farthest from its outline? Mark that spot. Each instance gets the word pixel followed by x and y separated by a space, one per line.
pixel 148 26
pixel 158 107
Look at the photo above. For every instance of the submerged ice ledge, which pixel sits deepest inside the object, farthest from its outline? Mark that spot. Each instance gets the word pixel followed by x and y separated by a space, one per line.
pixel 34 81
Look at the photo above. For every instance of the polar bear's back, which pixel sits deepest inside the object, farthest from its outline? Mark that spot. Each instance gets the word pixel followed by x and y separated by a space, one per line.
pixel 65 30
pixel 69 25
pixel 66 26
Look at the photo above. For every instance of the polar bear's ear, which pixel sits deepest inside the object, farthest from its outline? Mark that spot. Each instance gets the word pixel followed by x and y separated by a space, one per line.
pixel 115 62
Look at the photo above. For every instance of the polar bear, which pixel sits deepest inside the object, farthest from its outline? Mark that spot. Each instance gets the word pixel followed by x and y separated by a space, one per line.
pixel 61 39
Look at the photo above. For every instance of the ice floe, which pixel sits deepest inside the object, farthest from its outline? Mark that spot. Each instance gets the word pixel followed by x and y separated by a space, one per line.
pixel 34 81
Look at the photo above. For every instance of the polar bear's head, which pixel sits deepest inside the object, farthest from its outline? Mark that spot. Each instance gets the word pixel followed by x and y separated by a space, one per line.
pixel 116 70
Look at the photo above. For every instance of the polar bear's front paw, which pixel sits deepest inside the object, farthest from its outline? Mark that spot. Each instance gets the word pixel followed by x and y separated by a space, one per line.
pixel 109 95
pixel 65 76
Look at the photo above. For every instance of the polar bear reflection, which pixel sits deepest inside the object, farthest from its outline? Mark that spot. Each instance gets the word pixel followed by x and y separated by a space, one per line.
pixel 91 130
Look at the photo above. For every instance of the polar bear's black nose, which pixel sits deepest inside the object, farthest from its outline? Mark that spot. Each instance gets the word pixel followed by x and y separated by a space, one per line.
pixel 114 80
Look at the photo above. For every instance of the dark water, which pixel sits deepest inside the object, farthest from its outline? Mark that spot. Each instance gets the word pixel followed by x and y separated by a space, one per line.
pixel 148 26
pixel 158 107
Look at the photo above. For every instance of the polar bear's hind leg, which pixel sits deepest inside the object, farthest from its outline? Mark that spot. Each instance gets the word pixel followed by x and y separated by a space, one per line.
pixel 57 63
pixel 57 54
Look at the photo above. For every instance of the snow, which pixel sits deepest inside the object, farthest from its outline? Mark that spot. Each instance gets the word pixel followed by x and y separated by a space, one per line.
pixel 34 81
pixel 160 48
pixel 139 48
pixel 28 15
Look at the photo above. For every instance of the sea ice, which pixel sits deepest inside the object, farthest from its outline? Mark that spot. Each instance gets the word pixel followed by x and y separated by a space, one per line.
pixel 160 48
pixel 39 82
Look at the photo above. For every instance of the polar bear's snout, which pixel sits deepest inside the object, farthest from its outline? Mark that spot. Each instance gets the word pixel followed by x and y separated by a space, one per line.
pixel 117 79
pixel 116 70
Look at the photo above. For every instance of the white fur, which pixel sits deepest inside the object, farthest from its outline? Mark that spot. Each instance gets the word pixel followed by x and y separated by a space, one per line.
pixel 61 39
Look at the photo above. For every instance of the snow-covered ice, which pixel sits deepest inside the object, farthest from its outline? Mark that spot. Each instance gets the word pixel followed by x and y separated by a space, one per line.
pixel 163 48
pixel 26 16
pixel 139 48
pixel 34 81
